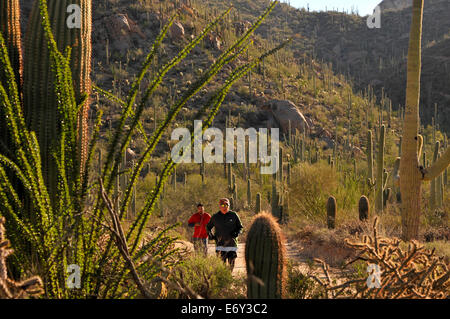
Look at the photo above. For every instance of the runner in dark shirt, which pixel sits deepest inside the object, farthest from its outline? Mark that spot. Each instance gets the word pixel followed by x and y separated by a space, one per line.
pixel 227 227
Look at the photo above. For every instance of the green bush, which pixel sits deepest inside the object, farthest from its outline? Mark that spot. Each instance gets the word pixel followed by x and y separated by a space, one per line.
pixel 209 277
pixel 301 286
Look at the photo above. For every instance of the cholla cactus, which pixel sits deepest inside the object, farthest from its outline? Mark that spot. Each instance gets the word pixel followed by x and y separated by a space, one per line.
pixel 427 275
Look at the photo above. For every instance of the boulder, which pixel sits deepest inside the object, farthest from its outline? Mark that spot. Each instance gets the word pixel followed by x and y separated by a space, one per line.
pixel 120 31
pixel 177 31
pixel 284 111
pixel 214 42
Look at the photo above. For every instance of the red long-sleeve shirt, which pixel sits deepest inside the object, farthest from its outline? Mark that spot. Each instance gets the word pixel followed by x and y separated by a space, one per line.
pixel 203 219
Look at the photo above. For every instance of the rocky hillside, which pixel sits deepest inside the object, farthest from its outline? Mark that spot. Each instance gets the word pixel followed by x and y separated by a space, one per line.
pixel 391 5
pixel 371 57
pixel 334 60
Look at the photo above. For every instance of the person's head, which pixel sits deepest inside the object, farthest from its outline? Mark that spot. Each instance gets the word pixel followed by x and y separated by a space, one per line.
pixel 224 204
pixel 200 208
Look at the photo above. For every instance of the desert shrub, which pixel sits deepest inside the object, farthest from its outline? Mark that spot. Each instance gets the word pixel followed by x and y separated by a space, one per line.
pixel 209 277
pixel 301 286
pixel 311 186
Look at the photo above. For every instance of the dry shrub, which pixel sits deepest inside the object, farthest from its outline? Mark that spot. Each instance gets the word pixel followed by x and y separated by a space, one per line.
pixel 415 273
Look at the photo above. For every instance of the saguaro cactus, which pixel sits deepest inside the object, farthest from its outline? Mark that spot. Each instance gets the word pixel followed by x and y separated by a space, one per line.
pixel 249 193
pixel 363 208
pixel 331 212
pixel 433 183
pixel 411 175
pixel 382 177
pixel 258 203
pixel 10 29
pixel 265 259
pixel 370 177
pixel 40 101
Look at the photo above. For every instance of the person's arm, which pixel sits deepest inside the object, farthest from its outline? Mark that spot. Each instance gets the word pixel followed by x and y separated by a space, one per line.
pixel 209 228
pixel 192 221
pixel 238 228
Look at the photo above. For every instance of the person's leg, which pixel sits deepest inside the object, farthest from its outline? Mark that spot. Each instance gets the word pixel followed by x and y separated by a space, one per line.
pixel 205 246
pixel 197 244
pixel 231 258
pixel 222 255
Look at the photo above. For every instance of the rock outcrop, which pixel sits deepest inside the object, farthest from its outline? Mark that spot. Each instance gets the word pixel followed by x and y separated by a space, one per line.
pixel 177 31
pixel 284 111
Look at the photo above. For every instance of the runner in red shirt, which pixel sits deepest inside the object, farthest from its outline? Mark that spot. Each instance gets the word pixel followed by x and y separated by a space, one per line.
pixel 199 221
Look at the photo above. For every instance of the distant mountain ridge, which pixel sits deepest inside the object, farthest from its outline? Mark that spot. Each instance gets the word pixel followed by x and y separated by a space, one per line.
pixel 395 5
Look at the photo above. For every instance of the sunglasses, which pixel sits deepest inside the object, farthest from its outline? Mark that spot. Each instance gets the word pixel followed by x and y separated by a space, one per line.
pixel 223 205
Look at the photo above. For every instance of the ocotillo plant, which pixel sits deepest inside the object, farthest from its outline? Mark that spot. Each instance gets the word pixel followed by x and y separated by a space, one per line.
pixel 59 234
pixel 265 259
pixel 411 175
pixel 35 78
pixel 363 208
pixel 331 212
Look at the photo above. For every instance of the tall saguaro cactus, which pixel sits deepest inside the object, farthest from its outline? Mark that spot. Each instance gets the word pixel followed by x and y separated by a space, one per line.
pixel 40 101
pixel 10 29
pixel 411 174
pixel 381 180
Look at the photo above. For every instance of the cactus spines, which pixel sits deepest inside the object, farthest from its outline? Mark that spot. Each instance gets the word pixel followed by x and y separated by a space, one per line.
pixel 10 29
pixel 258 203
pixel 40 102
pixel 363 208
pixel 331 212
pixel 265 259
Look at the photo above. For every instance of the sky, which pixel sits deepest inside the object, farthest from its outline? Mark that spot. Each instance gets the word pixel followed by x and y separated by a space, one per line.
pixel 365 7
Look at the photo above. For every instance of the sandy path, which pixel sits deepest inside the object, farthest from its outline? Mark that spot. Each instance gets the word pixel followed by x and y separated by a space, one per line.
pixel 293 254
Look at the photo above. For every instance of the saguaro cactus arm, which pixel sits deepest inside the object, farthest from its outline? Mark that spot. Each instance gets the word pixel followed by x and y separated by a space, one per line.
pixel 438 167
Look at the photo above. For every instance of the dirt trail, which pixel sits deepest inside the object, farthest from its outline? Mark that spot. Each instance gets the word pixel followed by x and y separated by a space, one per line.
pixel 293 254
